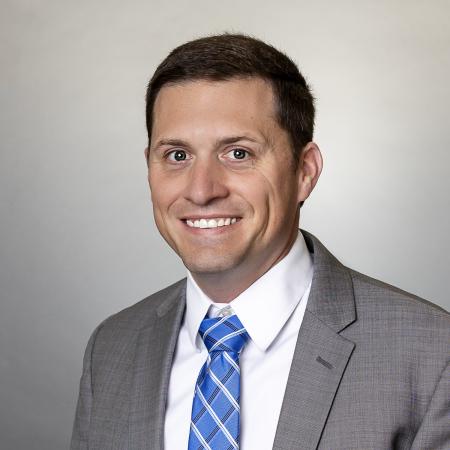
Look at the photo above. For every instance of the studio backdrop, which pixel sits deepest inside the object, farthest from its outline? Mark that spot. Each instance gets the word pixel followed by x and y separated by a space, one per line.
pixel 78 241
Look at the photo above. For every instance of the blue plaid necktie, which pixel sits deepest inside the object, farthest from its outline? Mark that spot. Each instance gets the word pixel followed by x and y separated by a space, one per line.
pixel 215 409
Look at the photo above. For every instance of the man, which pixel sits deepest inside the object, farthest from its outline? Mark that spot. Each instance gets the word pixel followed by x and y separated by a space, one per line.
pixel 270 342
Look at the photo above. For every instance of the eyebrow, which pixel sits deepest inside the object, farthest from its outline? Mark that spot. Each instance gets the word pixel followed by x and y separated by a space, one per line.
pixel 173 142
pixel 223 141
pixel 233 139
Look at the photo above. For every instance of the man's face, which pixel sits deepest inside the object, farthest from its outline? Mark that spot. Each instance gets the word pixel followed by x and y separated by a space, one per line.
pixel 223 183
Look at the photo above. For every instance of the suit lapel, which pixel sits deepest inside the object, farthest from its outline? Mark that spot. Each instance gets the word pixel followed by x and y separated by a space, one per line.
pixel 153 359
pixel 319 361
pixel 321 354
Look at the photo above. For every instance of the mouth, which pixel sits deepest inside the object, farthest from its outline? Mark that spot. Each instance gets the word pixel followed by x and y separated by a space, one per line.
pixel 208 223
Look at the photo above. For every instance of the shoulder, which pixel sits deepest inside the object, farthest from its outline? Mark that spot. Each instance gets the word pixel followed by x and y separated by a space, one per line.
pixel 113 341
pixel 399 319
pixel 142 313
pixel 375 296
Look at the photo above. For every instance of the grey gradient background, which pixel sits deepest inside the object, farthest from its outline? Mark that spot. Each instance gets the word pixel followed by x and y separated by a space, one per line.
pixel 78 241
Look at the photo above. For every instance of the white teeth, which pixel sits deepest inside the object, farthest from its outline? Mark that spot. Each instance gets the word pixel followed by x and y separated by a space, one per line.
pixel 211 223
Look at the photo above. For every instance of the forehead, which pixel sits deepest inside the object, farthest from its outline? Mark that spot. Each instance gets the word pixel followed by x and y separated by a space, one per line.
pixel 245 100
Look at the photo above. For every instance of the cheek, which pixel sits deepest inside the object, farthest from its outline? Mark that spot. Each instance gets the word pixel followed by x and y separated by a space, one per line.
pixel 272 192
pixel 163 191
pixel 261 199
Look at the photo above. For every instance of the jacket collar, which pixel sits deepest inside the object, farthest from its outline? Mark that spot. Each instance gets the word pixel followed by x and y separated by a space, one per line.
pixel 331 298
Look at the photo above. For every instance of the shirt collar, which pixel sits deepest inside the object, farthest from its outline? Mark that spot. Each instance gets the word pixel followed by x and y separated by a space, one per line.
pixel 265 306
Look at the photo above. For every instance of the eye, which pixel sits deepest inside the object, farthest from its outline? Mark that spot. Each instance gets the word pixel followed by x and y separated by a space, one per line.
pixel 177 155
pixel 238 153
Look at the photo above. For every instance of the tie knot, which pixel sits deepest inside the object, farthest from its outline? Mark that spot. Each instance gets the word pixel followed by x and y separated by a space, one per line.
pixel 223 334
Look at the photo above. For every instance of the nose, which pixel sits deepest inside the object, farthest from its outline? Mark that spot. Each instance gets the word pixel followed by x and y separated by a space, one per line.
pixel 206 182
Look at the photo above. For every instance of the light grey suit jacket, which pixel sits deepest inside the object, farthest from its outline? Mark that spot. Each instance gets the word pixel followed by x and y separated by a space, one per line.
pixel 370 370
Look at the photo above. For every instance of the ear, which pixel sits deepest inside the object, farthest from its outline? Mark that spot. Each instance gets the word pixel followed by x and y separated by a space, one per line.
pixel 309 169
pixel 146 153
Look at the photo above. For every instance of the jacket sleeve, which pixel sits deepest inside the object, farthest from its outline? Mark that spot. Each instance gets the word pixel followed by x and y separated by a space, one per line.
pixel 434 431
pixel 80 431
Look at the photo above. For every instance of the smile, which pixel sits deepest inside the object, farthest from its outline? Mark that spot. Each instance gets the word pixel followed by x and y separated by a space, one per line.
pixel 211 223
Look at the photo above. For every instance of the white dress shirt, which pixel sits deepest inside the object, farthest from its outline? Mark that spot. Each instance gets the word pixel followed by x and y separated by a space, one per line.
pixel 271 310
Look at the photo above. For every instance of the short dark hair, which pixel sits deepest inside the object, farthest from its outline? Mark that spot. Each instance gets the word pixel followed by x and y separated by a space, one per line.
pixel 226 56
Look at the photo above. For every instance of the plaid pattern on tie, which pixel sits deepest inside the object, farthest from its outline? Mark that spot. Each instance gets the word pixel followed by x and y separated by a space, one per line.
pixel 215 409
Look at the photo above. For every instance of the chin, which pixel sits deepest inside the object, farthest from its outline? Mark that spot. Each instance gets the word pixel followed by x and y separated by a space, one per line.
pixel 210 264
